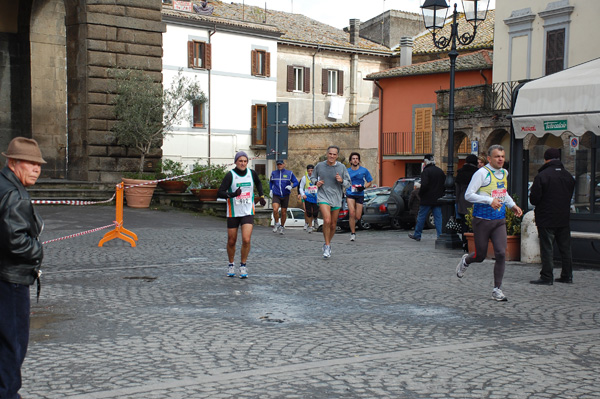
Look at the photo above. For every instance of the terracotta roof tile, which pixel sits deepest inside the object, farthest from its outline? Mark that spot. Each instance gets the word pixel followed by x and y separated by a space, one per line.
pixel 483 39
pixel 218 20
pixel 296 28
pixel 482 59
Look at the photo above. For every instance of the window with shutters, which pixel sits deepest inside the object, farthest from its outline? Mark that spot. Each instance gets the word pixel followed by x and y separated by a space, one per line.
pixel 198 115
pixel 555 51
pixel 333 82
pixel 261 63
pixel 298 79
pixel 423 129
pixel 259 124
pixel 199 54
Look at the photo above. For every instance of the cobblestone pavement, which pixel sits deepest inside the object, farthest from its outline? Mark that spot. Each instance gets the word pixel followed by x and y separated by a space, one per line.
pixel 385 317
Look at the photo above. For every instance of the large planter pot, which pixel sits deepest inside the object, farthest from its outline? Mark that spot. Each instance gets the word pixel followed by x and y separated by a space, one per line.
pixel 138 197
pixel 513 247
pixel 173 186
pixel 205 194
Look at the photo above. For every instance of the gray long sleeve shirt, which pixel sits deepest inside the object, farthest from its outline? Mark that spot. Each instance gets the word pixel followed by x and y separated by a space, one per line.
pixel 331 191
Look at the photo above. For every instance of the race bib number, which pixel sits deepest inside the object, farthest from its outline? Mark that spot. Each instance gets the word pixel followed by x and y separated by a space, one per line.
pixel 500 194
pixel 244 198
pixel 354 187
pixel 311 189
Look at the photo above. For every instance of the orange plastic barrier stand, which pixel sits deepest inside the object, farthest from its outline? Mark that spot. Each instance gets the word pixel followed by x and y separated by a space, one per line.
pixel 119 231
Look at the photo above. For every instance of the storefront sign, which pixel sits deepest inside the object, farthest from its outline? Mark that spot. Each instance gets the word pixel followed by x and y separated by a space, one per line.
pixel 182 5
pixel 555 125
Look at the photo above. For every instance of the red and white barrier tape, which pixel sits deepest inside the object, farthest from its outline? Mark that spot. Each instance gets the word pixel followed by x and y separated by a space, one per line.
pixel 82 233
pixel 71 202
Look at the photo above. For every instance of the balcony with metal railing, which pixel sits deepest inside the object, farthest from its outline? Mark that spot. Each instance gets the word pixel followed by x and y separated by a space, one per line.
pixel 502 92
pixel 407 143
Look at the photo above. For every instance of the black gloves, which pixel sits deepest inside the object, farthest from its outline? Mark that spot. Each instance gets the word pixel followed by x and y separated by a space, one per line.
pixel 262 201
pixel 360 188
pixel 235 193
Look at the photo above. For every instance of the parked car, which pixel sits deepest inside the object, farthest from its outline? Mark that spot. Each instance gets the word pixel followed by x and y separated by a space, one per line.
pixel 295 218
pixel 376 214
pixel 344 215
pixel 398 204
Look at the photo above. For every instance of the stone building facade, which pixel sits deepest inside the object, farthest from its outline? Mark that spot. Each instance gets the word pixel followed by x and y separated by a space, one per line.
pixel 56 89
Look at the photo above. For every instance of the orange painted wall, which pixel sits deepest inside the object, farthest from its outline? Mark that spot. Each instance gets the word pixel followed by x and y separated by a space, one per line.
pixel 401 93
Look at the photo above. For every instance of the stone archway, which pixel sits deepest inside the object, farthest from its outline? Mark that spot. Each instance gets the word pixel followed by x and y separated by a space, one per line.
pixel 48 58
pixel 499 136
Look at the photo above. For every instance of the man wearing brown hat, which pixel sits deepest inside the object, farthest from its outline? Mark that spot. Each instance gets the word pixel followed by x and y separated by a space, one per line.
pixel 551 193
pixel 20 258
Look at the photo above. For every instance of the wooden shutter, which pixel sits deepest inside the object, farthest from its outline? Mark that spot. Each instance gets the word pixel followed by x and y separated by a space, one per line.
pixel 207 55
pixel 190 54
pixel 325 81
pixel 254 110
pixel 267 64
pixel 555 51
pixel 340 88
pixel 307 80
pixel 290 78
pixel 423 126
pixel 254 66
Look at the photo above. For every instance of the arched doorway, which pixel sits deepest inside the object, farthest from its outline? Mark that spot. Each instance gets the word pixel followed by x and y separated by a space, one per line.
pixel 48 59
pixel 33 78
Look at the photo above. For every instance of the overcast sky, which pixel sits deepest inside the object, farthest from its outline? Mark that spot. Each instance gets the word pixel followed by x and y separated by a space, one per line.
pixel 338 12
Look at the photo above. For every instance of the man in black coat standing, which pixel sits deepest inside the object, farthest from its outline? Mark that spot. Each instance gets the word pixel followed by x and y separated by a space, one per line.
pixel 432 188
pixel 463 178
pixel 551 193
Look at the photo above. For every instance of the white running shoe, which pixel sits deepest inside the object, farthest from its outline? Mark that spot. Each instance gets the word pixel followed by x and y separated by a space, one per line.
pixel 326 251
pixel 276 227
pixel 305 226
pixel 352 236
pixel 461 268
pixel 498 295
pixel 243 272
pixel 231 270
pixel 309 229
pixel 281 229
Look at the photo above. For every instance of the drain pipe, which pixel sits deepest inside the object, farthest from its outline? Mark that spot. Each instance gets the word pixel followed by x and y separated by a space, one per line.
pixel 210 33
pixel 313 83
pixel 380 133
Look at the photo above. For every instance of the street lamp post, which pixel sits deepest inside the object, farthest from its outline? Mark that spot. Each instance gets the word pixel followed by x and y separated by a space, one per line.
pixel 434 17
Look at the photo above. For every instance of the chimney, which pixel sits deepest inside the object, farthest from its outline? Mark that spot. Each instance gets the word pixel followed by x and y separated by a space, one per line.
pixel 354 31
pixel 406 46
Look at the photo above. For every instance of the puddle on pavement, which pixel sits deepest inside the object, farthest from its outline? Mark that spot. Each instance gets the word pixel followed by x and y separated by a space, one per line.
pixel 41 322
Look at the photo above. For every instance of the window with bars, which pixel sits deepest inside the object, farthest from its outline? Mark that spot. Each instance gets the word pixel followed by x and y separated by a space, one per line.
pixel 199 54
pixel 259 124
pixel 555 51
pixel 261 63
pixel 198 115
pixel 333 82
pixel 298 78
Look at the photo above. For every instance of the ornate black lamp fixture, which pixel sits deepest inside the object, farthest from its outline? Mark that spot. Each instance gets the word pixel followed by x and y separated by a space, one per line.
pixel 434 17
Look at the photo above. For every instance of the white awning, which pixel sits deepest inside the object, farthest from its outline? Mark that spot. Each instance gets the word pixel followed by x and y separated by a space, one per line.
pixel 566 101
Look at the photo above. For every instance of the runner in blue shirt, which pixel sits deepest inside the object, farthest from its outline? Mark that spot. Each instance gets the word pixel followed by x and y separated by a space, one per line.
pixel 361 179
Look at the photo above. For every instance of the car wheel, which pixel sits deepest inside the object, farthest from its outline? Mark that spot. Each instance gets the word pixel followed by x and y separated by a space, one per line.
pixel 338 229
pixel 364 225
pixel 395 223
pixel 395 205
pixel 430 221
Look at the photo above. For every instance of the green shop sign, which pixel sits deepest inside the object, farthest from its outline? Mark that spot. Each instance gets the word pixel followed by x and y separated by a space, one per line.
pixel 555 125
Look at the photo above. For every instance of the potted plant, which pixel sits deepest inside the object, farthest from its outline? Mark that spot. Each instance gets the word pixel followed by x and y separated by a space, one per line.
pixel 145 114
pixel 168 168
pixel 513 234
pixel 206 180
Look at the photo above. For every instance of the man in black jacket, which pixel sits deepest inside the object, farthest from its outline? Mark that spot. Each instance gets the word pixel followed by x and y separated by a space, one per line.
pixel 432 188
pixel 463 178
pixel 20 258
pixel 551 193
